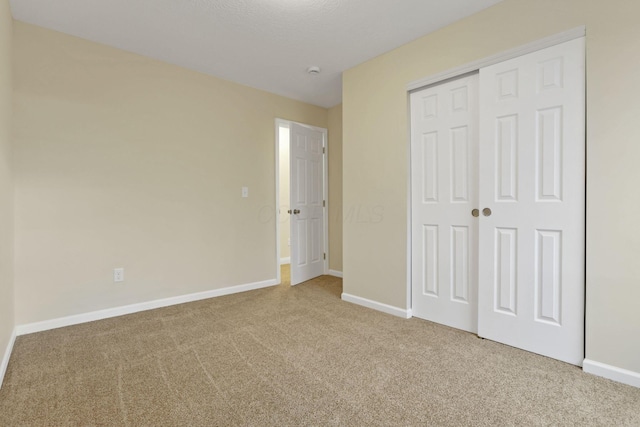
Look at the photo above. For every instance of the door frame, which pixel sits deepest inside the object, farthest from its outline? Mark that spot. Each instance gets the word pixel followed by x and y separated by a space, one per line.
pixel 437 78
pixel 325 192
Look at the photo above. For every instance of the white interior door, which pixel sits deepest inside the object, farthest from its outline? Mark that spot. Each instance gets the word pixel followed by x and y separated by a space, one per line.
pixel 444 191
pixel 307 203
pixel 532 179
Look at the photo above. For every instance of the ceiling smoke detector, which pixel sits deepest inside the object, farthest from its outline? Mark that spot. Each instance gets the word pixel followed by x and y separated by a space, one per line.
pixel 315 70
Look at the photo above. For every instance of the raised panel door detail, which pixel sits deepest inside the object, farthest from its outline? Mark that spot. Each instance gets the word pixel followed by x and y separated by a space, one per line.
pixel 430 167
pixel 430 107
pixel 315 198
pixel 548 276
pixel 314 227
pixel 550 74
pixel 506 278
pixel 507 84
pixel 549 154
pixel 459 99
pixel 301 142
pixel 460 264
pixel 460 164
pixel 507 158
pixel 301 225
pixel 430 264
pixel 315 145
pixel 301 176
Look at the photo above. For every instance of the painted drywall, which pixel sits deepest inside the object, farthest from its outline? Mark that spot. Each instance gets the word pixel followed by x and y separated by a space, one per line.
pixel 284 217
pixel 334 138
pixel 124 161
pixel 6 181
pixel 375 154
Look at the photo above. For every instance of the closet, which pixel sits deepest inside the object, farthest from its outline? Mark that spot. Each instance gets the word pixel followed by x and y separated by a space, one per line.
pixel 498 202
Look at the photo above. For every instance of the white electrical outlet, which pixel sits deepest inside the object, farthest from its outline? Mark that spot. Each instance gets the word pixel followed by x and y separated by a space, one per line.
pixel 245 191
pixel 118 274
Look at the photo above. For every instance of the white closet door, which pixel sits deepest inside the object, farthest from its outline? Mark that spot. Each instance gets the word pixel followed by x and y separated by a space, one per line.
pixel 532 178
pixel 444 192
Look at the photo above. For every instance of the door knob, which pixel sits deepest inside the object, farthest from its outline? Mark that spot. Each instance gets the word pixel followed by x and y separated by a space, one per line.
pixel 289 211
pixel 296 211
pixel 486 212
pixel 475 213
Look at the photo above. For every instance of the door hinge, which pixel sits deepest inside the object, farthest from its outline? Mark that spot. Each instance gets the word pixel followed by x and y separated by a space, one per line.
pixel 323 150
pixel 324 203
pixel 324 256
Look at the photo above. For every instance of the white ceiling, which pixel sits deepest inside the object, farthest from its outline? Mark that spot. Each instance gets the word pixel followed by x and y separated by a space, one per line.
pixel 265 44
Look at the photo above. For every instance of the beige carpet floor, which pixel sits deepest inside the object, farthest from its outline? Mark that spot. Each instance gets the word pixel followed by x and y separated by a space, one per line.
pixel 287 356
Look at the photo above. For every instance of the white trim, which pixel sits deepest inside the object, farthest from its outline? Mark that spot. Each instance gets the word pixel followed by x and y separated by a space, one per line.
pixel 335 273
pixel 61 322
pixel 286 260
pixel 409 243
pixel 7 356
pixel 385 308
pixel 500 57
pixel 325 195
pixel 278 122
pixel 611 372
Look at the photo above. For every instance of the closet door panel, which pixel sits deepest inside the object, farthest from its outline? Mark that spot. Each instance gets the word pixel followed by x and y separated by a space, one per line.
pixel 532 189
pixel 444 191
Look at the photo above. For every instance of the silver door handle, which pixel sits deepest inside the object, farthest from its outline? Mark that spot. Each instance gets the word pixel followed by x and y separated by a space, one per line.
pixel 296 211
pixel 475 213
pixel 486 212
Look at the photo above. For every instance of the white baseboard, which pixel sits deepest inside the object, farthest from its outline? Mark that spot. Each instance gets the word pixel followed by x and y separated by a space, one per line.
pixel 611 372
pixel 135 308
pixel 7 356
pixel 385 308
pixel 335 273
pixel 286 260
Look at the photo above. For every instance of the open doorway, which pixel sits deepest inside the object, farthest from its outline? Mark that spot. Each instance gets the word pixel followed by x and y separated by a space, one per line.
pixel 301 200
pixel 283 190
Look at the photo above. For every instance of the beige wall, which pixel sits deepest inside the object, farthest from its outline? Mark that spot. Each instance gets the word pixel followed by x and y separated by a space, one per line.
pixel 6 180
pixel 375 155
pixel 123 161
pixel 284 217
pixel 335 187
